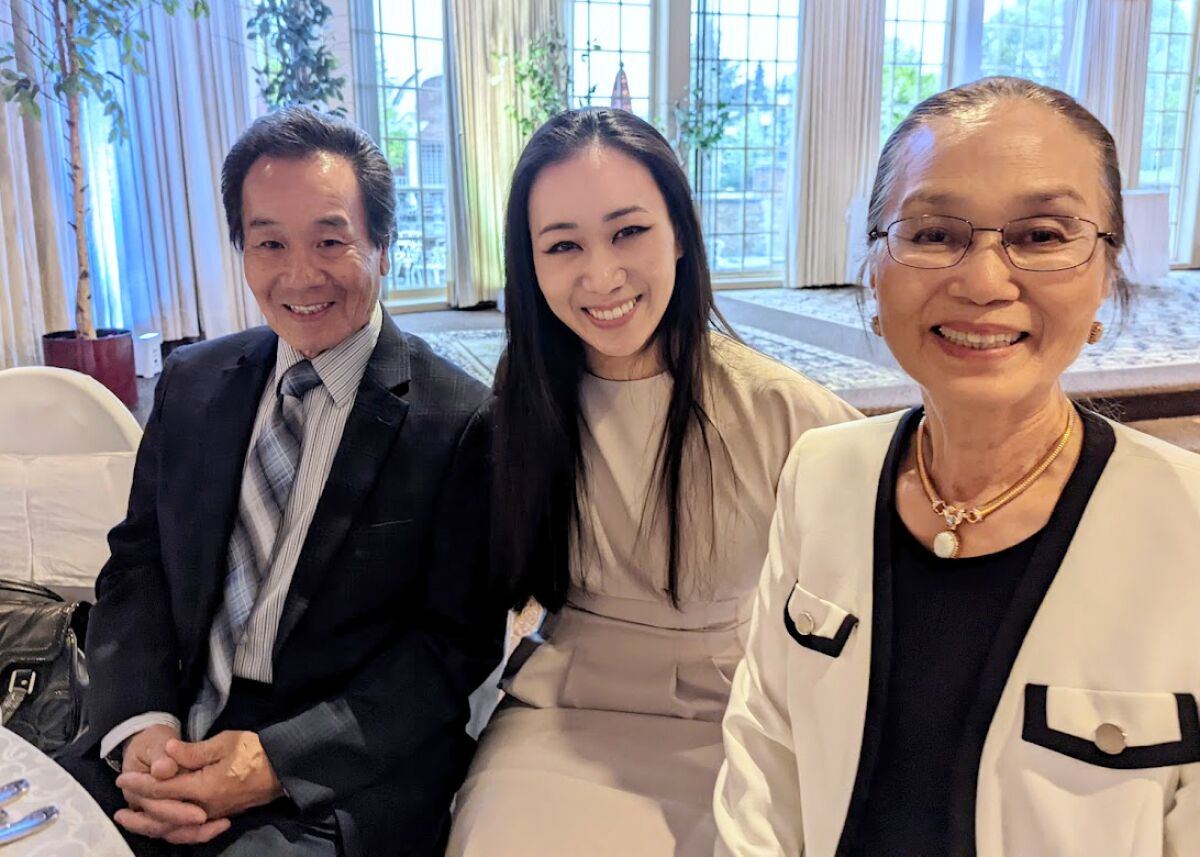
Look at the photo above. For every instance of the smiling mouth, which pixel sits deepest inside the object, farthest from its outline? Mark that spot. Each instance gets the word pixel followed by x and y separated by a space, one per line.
pixel 307 309
pixel 613 313
pixel 980 341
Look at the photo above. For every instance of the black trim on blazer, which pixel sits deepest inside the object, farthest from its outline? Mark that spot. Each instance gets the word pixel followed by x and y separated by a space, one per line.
pixel 881 630
pixel 1182 752
pixel 831 646
pixel 1098 443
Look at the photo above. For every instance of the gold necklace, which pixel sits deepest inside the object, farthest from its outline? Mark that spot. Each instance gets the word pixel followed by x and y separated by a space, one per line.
pixel 946 544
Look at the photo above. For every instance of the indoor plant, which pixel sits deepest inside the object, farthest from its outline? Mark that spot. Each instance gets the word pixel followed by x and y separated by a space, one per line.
pixel 298 69
pixel 58 54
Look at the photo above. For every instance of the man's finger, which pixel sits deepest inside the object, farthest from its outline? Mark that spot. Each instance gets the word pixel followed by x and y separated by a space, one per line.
pixel 196 834
pixel 176 813
pixel 194 755
pixel 163 768
pixel 187 787
pixel 142 824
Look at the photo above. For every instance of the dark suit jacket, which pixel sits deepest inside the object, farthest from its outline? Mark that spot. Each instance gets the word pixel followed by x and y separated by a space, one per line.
pixel 389 623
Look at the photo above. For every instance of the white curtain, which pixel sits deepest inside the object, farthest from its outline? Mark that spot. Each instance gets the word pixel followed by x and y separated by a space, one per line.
pixel 836 135
pixel 1109 73
pixel 160 256
pixel 160 248
pixel 485 142
pixel 22 304
pixel 35 239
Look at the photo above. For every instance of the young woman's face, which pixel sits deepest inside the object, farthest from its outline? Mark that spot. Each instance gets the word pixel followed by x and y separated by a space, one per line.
pixel 984 332
pixel 604 252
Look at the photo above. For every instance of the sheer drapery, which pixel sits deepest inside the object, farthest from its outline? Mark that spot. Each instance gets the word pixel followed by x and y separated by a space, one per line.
pixel 836 133
pixel 485 140
pixel 160 249
pixel 160 256
pixel 1109 73
pixel 36 267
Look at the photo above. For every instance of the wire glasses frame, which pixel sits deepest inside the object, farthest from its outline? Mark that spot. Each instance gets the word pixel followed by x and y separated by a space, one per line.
pixel 1040 243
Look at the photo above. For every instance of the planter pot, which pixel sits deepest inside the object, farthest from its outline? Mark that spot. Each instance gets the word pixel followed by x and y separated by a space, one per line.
pixel 108 358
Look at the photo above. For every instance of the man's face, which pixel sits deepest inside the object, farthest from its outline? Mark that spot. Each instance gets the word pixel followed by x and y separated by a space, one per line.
pixel 308 257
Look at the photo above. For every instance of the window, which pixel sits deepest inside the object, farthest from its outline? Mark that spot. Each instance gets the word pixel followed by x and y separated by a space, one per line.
pixel 1024 38
pixel 1168 92
pixel 608 36
pixel 932 44
pixel 746 54
pixel 410 97
pixel 915 34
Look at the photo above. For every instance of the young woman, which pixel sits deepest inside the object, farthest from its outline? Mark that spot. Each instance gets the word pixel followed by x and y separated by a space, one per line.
pixel 984 637
pixel 637 462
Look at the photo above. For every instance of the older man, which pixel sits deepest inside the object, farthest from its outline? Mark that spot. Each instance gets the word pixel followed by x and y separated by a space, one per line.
pixel 297 604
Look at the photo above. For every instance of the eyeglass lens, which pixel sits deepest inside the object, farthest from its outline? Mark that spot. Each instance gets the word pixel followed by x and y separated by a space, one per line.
pixel 1044 243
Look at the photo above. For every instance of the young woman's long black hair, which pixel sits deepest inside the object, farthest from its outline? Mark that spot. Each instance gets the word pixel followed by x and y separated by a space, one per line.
pixel 539 456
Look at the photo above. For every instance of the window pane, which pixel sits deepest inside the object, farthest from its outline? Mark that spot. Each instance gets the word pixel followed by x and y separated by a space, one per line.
pixel 1024 38
pixel 1172 32
pixel 744 78
pixel 619 30
pixel 395 18
pixel 429 23
pixel 410 58
pixel 914 57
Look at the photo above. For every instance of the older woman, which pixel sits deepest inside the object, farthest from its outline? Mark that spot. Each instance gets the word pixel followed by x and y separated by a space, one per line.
pixel 983 635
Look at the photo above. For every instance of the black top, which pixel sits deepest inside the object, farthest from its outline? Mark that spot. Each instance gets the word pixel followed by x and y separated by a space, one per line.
pixel 946 614
pixel 947 620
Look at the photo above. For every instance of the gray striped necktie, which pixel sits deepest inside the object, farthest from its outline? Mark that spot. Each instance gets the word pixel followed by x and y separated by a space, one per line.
pixel 266 485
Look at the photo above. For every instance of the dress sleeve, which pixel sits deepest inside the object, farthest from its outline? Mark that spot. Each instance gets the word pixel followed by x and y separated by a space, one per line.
pixel 757 798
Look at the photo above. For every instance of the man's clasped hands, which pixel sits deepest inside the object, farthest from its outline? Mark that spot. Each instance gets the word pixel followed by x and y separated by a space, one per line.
pixel 185 792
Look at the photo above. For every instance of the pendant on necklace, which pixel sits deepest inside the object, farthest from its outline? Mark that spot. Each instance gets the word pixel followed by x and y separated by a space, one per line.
pixel 945 544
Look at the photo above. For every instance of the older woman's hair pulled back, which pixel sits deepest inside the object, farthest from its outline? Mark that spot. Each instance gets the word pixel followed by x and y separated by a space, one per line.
pixel 971 99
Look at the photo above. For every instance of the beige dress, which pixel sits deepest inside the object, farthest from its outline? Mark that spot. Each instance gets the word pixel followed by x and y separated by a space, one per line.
pixel 609 741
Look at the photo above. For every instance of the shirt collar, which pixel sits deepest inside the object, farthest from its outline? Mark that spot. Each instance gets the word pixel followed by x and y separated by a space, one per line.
pixel 340 368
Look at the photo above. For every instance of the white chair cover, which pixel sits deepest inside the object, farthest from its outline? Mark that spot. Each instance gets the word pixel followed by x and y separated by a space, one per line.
pixel 57 411
pixel 67 448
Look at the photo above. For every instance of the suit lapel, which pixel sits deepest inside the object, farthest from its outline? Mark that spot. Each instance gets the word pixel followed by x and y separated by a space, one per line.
pixel 375 419
pixel 228 423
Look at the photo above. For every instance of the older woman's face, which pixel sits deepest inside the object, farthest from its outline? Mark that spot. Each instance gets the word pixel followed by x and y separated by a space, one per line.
pixel 984 332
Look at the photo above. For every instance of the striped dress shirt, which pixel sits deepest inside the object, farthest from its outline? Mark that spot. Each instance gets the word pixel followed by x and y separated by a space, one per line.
pixel 324 412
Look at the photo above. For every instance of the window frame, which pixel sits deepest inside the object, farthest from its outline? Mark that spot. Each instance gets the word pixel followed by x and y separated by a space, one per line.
pixel 366 97
pixel 947 57
pixel 1183 235
pixel 670 73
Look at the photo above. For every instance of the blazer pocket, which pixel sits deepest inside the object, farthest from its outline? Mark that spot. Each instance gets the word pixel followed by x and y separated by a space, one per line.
pixel 817 624
pixel 1114 729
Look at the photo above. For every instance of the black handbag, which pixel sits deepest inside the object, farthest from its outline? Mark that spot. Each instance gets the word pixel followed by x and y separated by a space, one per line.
pixel 43 673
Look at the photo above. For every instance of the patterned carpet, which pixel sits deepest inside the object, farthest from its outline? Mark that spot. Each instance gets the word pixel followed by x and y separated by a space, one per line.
pixel 478 351
pixel 1162 331
pixel 1163 328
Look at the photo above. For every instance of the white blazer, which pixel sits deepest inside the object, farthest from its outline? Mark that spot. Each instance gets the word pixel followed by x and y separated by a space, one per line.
pixel 1109 638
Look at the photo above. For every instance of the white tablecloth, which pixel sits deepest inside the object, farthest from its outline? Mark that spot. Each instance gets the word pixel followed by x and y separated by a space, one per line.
pixel 81 829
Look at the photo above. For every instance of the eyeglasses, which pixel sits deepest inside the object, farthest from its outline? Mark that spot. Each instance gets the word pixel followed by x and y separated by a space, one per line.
pixel 1042 243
